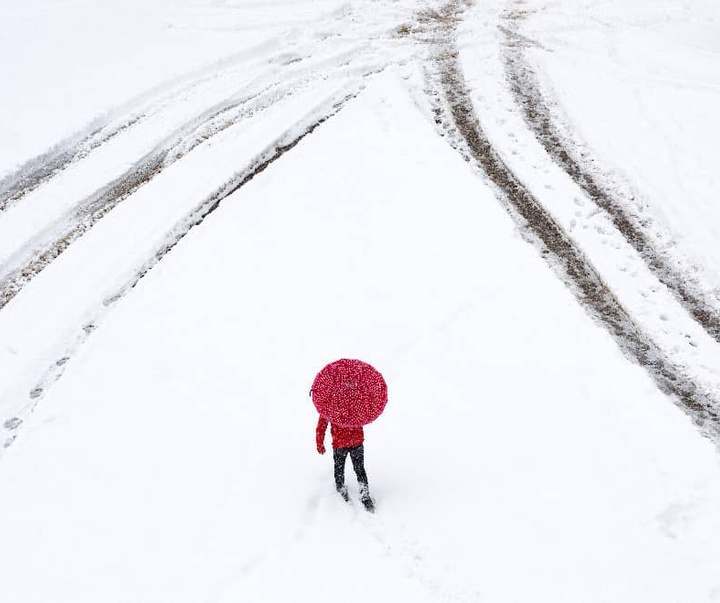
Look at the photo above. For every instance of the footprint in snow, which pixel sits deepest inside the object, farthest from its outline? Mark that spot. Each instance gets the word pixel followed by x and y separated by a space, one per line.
pixel 675 519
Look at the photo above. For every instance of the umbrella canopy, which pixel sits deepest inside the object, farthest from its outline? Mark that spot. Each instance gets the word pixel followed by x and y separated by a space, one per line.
pixel 349 393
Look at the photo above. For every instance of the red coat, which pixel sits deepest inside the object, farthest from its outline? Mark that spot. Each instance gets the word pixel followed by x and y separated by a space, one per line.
pixel 342 437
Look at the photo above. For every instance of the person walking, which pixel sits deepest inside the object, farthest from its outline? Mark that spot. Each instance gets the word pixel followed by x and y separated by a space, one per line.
pixel 346 441
pixel 348 394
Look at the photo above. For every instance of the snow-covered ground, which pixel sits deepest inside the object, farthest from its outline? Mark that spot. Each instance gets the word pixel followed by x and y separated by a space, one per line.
pixel 642 87
pixel 245 191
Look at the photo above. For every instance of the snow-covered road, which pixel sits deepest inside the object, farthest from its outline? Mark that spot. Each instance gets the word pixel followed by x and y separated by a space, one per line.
pixel 174 274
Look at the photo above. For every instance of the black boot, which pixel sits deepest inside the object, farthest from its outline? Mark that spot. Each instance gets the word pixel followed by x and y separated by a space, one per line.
pixel 366 499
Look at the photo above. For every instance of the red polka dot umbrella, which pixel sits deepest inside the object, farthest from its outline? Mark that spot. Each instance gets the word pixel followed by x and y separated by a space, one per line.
pixel 349 393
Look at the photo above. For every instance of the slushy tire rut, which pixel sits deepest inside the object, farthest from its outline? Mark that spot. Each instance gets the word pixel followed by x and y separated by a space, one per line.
pixel 274 152
pixel 455 114
pixel 536 112
pixel 89 211
pixel 40 170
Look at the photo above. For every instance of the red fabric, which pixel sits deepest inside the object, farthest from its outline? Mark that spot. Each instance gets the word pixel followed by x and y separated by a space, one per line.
pixel 349 393
pixel 342 437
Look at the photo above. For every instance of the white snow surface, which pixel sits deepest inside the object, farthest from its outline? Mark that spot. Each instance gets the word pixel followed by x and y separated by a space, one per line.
pixel 640 83
pixel 159 438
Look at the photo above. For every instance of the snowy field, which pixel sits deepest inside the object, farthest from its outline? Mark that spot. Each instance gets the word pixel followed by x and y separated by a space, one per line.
pixel 507 207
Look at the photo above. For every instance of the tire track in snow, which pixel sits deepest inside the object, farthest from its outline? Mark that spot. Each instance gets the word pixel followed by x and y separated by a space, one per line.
pixel 183 226
pixel 41 169
pixel 273 52
pixel 325 57
pixel 30 261
pixel 37 171
pixel 455 115
pixel 535 107
pixel 46 246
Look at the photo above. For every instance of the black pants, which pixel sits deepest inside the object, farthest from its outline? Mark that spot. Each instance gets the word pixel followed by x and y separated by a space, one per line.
pixel 357 456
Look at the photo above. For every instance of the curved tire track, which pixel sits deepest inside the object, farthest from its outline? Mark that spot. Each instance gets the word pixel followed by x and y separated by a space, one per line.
pixel 182 227
pixel 37 171
pixel 455 114
pixel 42 168
pixel 290 73
pixel 535 108
pixel 30 261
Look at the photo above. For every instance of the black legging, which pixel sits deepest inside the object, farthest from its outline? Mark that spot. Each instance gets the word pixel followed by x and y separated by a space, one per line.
pixel 357 456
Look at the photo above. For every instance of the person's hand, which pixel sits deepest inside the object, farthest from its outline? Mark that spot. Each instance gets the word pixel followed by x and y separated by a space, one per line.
pixel 321 449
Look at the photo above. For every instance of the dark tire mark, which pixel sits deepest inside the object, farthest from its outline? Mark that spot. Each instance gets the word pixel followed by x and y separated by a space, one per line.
pixel 26 263
pixel 38 170
pixel 194 218
pixel 35 172
pixel 212 203
pixel 92 209
pixel 455 114
pixel 529 97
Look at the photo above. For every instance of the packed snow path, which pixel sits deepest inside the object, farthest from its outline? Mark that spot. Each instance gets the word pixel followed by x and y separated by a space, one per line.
pixel 209 248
